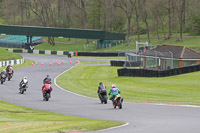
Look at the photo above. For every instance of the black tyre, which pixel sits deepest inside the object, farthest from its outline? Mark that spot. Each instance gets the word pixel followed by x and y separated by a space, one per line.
pixel 9 78
pixel 105 99
pixel 1 81
pixel 119 104
pixel 47 97
pixel 22 91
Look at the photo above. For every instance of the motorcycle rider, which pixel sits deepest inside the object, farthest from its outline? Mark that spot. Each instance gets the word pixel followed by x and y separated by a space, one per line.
pixel 115 91
pixel 9 67
pixel 101 87
pixel 45 87
pixel 47 80
pixel 3 73
pixel 23 81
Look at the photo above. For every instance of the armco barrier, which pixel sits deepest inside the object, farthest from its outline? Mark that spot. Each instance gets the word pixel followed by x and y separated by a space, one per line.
pixel 103 54
pixel 127 64
pixel 48 52
pixel 11 62
pixel 97 54
pixel 155 73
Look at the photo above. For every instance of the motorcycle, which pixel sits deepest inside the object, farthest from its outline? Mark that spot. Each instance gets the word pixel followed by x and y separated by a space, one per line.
pixel 117 101
pixel 103 96
pixel 23 87
pixel 9 74
pixel 3 78
pixel 46 95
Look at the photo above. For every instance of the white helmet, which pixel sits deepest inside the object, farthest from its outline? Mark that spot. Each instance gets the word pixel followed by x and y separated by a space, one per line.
pixel 113 85
pixel 4 70
pixel 25 77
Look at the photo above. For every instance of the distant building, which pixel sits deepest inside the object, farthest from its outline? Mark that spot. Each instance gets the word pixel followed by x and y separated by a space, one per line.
pixel 169 56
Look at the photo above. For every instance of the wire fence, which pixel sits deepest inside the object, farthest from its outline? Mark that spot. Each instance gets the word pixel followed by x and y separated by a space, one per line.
pixel 153 60
pixel 156 60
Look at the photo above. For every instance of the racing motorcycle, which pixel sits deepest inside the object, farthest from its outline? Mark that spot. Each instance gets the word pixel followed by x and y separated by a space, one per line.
pixel 23 87
pixel 9 73
pixel 117 101
pixel 103 96
pixel 46 95
pixel 3 78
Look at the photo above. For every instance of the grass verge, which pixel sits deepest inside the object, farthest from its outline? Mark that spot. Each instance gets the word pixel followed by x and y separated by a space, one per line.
pixel 181 89
pixel 192 42
pixel 5 55
pixel 17 119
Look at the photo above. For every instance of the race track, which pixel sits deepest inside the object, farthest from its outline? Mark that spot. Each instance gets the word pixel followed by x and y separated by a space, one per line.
pixel 142 118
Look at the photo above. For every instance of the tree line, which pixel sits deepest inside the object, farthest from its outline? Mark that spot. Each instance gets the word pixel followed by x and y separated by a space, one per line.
pixel 160 17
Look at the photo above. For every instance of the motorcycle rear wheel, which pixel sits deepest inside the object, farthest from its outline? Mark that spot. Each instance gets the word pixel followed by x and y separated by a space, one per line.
pixel 114 106
pixel 47 97
pixel 119 105
pixel 22 91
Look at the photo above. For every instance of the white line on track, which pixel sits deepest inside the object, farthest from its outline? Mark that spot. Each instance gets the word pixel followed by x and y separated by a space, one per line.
pixel 85 97
pixel 67 90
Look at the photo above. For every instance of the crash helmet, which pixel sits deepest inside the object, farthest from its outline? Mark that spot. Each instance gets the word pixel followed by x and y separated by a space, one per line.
pixel 113 85
pixel 47 76
pixel 4 70
pixel 100 83
pixel 25 77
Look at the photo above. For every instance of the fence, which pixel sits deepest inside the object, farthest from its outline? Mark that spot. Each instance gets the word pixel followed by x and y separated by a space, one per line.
pixel 159 60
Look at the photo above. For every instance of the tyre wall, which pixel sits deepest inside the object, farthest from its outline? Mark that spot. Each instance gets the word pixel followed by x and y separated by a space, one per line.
pixel 154 73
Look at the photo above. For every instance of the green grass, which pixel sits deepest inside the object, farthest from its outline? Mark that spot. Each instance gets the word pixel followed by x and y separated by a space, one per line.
pixel 192 43
pixel 181 89
pixel 5 55
pixel 17 119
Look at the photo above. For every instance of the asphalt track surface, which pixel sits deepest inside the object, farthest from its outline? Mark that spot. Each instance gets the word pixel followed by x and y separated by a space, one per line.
pixel 142 118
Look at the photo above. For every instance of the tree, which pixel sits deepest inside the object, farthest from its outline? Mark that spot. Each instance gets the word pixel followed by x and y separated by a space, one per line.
pixel 81 12
pixel 127 6
pixel 181 9
pixel 196 22
pixel 143 11
pixel 96 14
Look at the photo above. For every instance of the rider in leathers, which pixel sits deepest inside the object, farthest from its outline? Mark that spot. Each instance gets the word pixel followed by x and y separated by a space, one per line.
pixel 47 80
pixel 23 81
pixel 114 91
pixel 45 87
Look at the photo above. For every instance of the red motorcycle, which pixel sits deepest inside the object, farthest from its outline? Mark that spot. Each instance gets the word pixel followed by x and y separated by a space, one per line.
pixel 9 73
